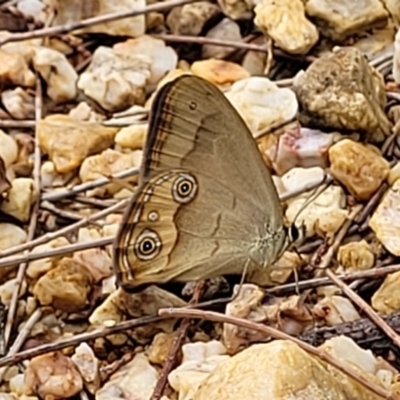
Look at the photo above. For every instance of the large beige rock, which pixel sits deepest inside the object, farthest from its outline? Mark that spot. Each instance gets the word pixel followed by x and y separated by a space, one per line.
pixel 281 370
pixel 342 92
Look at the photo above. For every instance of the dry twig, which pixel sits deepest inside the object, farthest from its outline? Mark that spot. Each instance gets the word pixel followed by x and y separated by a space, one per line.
pixel 365 307
pixel 33 222
pixel 67 28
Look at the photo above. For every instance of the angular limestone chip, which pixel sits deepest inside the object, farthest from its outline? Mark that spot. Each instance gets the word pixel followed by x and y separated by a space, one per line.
pixel 68 141
pixel 358 167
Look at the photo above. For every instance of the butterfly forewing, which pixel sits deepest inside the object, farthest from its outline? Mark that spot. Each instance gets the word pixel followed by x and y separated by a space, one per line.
pixel 195 131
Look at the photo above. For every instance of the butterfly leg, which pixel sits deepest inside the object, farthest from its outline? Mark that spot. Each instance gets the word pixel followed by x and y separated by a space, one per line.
pixel 245 270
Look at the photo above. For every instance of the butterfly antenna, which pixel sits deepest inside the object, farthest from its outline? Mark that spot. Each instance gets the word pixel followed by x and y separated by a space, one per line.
pixel 313 195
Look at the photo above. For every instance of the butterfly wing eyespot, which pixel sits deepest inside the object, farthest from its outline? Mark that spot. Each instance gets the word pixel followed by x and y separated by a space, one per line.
pixel 184 188
pixel 148 245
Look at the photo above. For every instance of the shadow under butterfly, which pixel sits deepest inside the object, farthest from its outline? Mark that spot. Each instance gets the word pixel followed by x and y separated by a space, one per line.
pixel 206 205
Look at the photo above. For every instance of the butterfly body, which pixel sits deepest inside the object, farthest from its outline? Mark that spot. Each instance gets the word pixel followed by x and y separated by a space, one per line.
pixel 206 204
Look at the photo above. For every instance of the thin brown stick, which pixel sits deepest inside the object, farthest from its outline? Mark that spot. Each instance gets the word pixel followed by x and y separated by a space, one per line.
pixel 215 42
pixel 67 28
pixel 77 339
pixel 22 336
pixel 371 205
pixel 364 306
pixel 50 207
pixel 60 195
pixel 64 231
pixel 33 221
pixel 374 273
pixel 322 355
pixel 14 261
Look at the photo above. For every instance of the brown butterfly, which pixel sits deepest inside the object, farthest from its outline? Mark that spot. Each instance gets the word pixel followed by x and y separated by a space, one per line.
pixel 206 204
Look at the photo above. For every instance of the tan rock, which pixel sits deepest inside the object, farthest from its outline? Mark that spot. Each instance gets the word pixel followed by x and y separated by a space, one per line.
pixel 219 72
pixel 83 112
pixel 377 42
pixel 7 290
pixel 338 20
pixel 105 164
pixel 386 299
pixel 281 370
pixel 246 305
pixel 199 360
pixel 24 48
pixel 68 142
pixel 120 305
pixel 14 70
pixel 59 75
pixel 279 273
pixel 18 103
pixel 385 221
pixel 359 168
pixel 255 62
pixel 285 22
pixel 68 12
pixel 116 80
pixel 88 366
pixel 11 235
pixel 342 92
pixel 34 8
pixel 53 375
pixel 96 260
pixel 51 178
pixel 191 18
pixel 20 198
pixel 393 6
pixel 261 103
pixel 160 347
pixel 136 379
pixel 8 148
pixel 335 310
pixel 132 137
pixel 37 268
pixel 396 58
pixel 356 256
pixel 65 287
pixel 237 9
pixel 163 58
pixel 394 174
